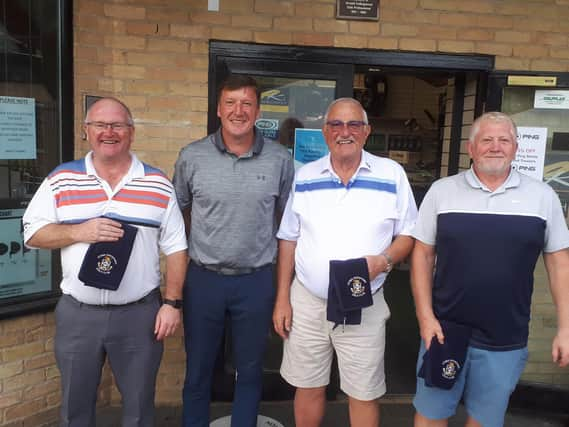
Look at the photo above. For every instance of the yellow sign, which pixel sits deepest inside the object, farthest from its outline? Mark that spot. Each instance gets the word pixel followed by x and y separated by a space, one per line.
pixel 548 81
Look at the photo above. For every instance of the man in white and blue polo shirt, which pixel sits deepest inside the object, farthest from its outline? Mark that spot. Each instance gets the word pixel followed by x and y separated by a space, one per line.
pixel 481 232
pixel 349 205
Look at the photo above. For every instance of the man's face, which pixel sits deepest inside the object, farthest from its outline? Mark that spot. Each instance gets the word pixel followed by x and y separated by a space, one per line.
pixel 238 110
pixel 493 149
pixel 108 131
pixel 345 132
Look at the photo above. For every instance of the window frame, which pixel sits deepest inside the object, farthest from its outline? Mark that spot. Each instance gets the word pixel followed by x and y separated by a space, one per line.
pixel 46 301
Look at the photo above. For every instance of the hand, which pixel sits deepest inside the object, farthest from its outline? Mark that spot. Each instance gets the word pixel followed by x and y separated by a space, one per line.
pixel 98 230
pixel 167 321
pixel 376 264
pixel 431 327
pixel 560 348
pixel 282 317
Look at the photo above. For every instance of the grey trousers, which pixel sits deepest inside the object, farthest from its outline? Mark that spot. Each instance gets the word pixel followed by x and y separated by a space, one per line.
pixel 85 336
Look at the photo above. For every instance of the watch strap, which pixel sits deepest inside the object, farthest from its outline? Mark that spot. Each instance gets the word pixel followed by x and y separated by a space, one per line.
pixel 389 260
pixel 176 303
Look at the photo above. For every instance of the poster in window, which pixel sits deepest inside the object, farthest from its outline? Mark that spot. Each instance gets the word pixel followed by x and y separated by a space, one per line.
pixel 17 128
pixel 23 271
pixel 309 145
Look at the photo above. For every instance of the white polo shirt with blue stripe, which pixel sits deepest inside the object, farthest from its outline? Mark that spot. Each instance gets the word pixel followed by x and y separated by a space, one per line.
pixel 487 245
pixel 332 221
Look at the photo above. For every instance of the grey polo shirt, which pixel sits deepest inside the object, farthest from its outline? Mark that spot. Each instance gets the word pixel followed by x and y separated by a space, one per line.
pixel 235 201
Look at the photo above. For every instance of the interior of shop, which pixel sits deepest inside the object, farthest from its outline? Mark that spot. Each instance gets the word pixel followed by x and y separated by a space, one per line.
pixel 406 111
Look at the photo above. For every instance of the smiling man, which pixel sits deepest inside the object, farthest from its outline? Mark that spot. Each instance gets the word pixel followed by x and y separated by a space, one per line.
pixel 112 204
pixel 232 187
pixel 347 221
pixel 481 232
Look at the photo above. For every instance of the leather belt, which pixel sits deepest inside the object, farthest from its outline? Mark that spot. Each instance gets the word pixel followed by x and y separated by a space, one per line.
pixel 229 271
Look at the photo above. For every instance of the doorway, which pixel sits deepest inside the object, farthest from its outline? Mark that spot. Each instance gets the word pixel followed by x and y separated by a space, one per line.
pixel 417 105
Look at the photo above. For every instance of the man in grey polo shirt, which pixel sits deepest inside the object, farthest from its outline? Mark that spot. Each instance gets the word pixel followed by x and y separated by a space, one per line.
pixel 232 187
pixel 481 233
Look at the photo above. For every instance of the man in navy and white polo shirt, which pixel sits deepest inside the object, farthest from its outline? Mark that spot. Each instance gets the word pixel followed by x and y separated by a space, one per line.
pixel 481 232
pixel 349 204
pixel 89 201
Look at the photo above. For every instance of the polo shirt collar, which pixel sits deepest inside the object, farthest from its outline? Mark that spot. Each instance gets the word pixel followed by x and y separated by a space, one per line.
pixel 513 180
pixel 136 169
pixel 364 164
pixel 255 149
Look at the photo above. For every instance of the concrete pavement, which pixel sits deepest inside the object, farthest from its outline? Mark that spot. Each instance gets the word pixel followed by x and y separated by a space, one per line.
pixel 395 413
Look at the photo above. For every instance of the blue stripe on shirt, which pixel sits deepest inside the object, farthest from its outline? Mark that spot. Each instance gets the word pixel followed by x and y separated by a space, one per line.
pixel 331 184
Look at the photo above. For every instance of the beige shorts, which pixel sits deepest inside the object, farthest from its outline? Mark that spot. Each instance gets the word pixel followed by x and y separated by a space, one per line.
pixel 308 352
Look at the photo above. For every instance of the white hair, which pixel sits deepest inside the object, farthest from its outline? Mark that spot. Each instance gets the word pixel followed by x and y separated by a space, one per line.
pixel 349 100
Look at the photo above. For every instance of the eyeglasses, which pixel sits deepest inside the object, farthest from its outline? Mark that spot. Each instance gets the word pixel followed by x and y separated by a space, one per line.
pixel 102 126
pixel 353 125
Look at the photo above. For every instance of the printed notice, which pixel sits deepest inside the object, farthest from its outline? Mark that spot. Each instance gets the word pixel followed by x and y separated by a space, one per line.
pixel 17 128
pixel 309 145
pixel 530 156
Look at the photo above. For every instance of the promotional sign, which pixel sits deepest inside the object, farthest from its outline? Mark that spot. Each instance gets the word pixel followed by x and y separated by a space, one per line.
pixel 17 128
pixel 275 101
pixel 309 145
pixel 23 271
pixel 530 156
pixel 269 128
pixel 552 99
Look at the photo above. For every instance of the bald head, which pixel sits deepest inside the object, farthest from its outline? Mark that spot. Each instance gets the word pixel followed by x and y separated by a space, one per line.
pixel 106 100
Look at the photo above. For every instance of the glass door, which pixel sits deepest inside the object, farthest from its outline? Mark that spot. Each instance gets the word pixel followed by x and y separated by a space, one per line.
pixel 539 105
pixel 295 94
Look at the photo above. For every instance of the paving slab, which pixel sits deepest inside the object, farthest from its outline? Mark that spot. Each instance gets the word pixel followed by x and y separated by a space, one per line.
pixel 393 414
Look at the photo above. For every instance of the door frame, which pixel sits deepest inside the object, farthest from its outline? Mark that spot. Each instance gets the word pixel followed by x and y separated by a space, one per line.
pixel 333 63
pixel 326 63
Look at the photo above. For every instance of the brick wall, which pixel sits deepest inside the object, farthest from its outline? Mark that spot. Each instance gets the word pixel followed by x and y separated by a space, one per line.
pixel 154 55
pixel 29 380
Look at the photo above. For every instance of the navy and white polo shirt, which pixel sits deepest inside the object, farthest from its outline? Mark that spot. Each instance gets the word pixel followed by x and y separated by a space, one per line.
pixel 487 245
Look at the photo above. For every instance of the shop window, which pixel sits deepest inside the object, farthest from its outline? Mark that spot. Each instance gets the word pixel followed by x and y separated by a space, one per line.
pixel 35 97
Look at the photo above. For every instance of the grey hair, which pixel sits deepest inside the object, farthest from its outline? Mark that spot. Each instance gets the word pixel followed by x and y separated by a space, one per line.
pixel 350 100
pixel 495 117
pixel 130 121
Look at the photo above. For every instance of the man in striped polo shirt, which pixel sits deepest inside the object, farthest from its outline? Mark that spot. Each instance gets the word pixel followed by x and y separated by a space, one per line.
pixel 481 233
pixel 92 201
pixel 345 206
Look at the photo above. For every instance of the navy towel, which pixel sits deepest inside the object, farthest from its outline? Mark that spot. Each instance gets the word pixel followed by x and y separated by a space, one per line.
pixel 442 363
pixel 349 290
pixel 105 262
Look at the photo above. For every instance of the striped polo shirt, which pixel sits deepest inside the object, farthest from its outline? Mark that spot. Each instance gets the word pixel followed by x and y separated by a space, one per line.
pixel 487 245
pixel 333 221
pixel 74 193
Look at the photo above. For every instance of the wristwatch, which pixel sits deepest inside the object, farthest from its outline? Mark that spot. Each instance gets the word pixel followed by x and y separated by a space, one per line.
pixel 176 303
pixel 389 260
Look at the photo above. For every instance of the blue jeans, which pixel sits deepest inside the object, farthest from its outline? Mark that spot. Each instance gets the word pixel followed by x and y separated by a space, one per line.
pixel 248 301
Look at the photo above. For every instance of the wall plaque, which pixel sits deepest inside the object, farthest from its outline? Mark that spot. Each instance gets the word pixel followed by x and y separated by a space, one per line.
pixel 358 9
